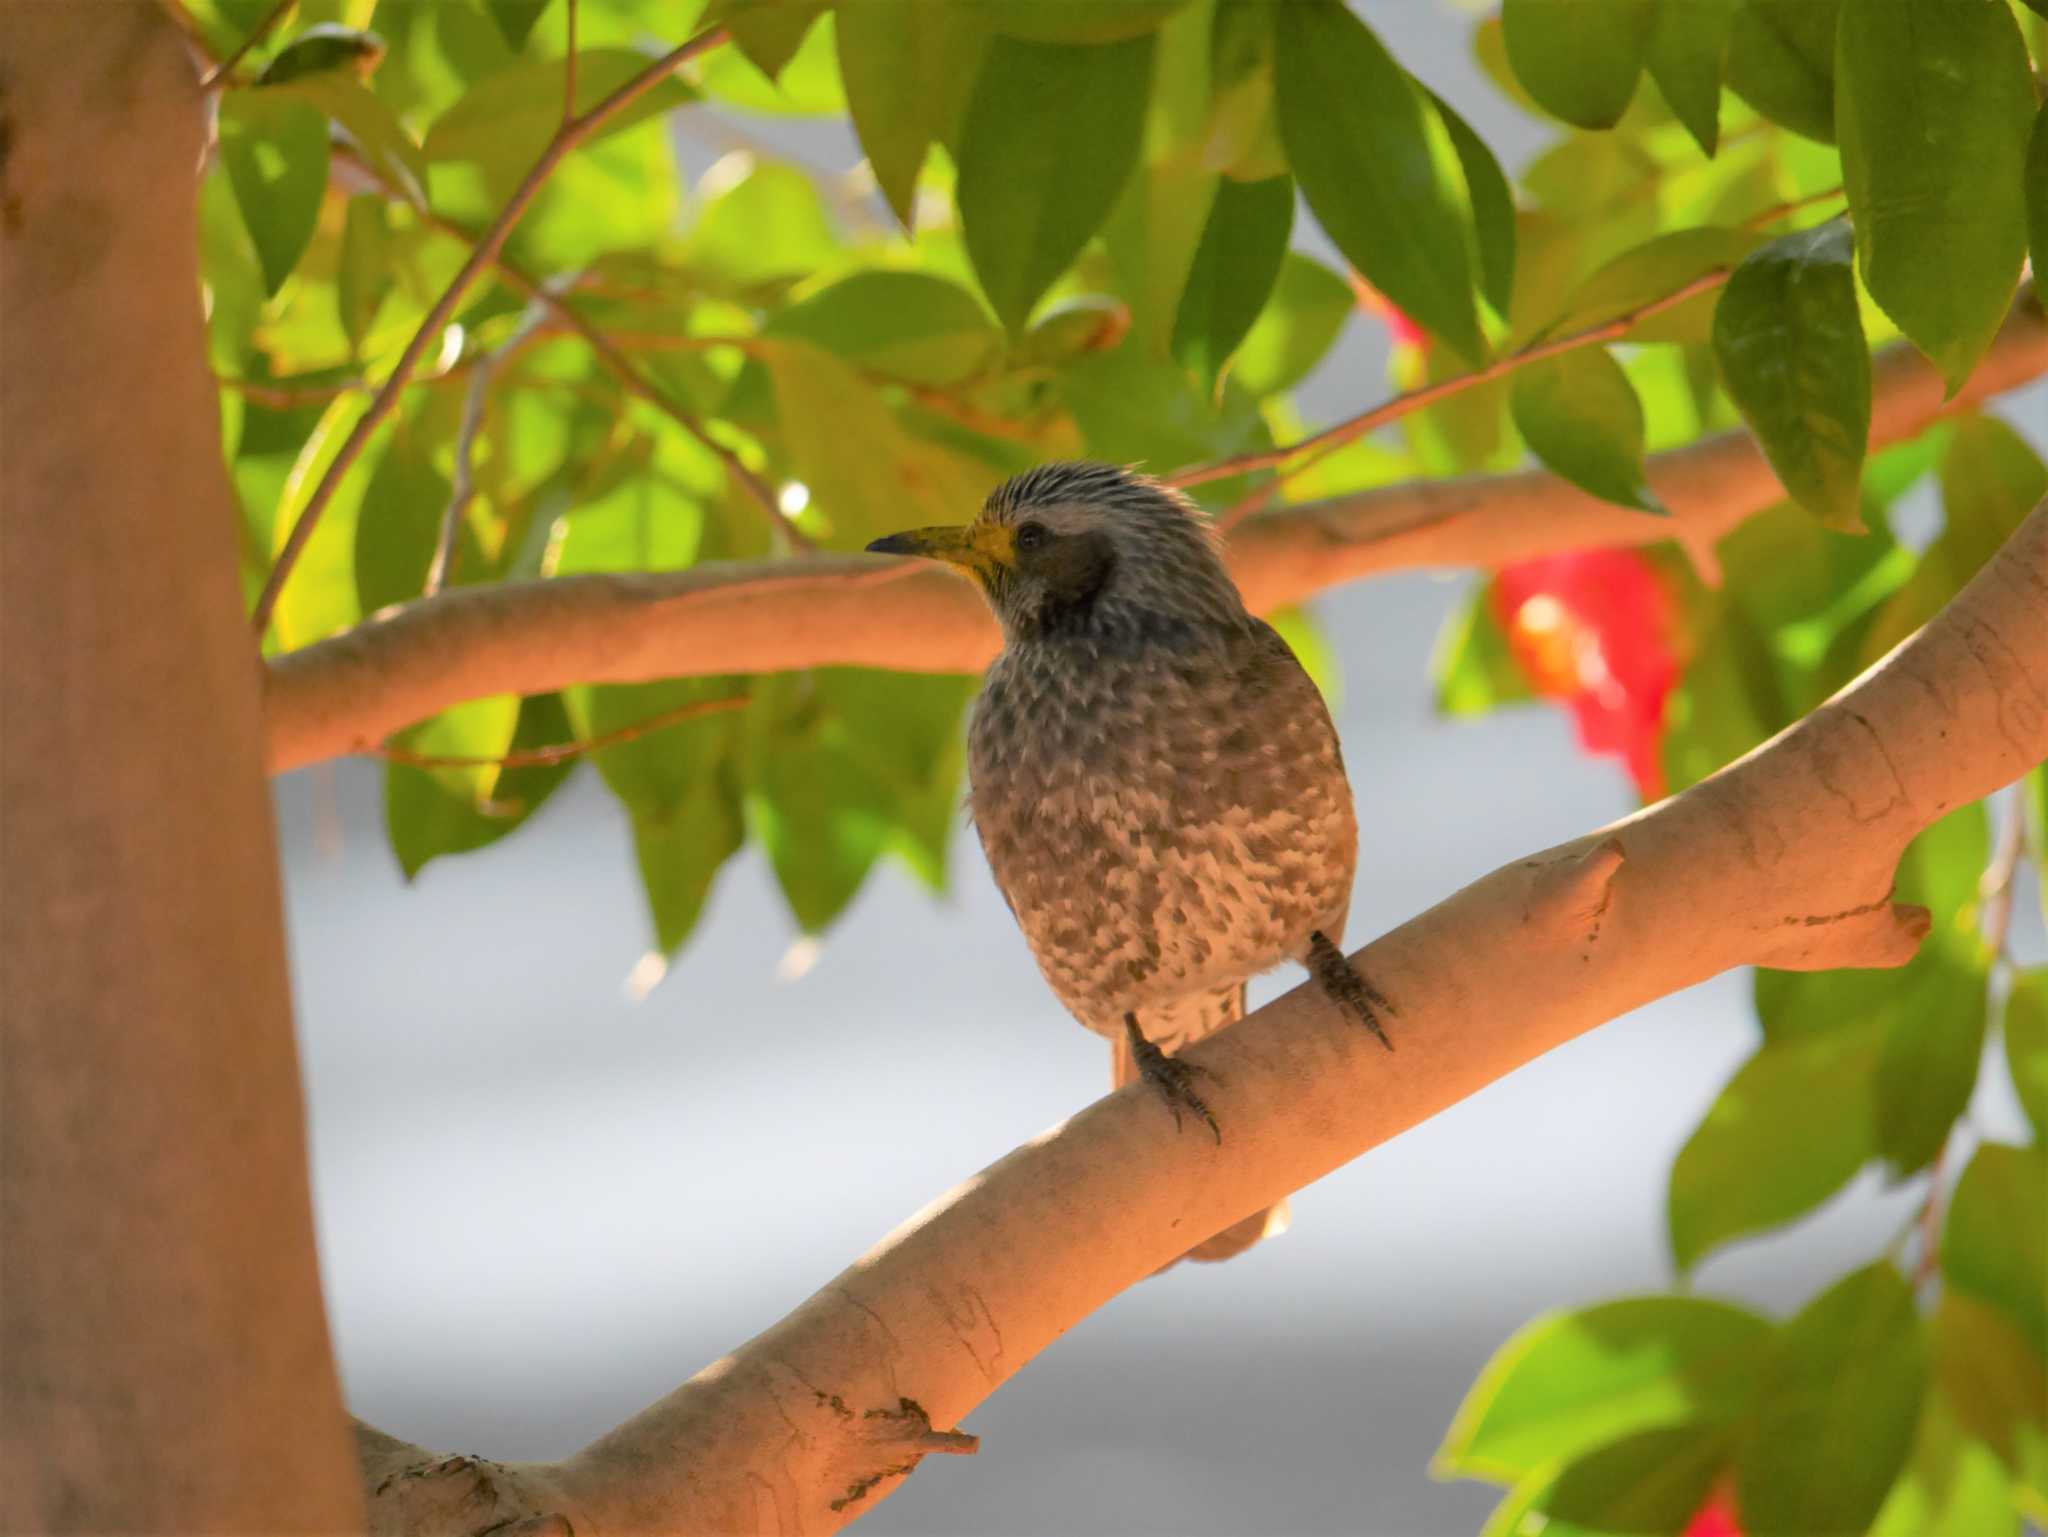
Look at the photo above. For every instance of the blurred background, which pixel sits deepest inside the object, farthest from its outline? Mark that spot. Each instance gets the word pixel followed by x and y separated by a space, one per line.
pixel 545 1199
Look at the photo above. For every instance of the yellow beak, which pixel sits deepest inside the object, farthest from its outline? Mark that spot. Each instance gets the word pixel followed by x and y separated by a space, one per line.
pixel 983 548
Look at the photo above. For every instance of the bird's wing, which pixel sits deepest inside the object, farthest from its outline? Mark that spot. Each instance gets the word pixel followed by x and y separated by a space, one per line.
pixel 1171 1027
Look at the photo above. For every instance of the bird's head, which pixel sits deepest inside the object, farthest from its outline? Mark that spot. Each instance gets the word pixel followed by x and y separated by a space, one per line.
pixel 1075 546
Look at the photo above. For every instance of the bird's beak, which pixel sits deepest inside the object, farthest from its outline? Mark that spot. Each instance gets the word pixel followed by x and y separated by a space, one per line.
pixel 983 548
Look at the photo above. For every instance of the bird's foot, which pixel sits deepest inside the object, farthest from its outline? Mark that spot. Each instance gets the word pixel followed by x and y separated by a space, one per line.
pixel 1172 1077
pixel 1346 987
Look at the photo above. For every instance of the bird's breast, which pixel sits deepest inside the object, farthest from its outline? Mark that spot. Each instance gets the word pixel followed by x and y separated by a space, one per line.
pixel 1150 836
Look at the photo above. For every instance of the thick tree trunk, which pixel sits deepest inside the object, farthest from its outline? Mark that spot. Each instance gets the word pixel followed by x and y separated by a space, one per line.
pixel 166 1362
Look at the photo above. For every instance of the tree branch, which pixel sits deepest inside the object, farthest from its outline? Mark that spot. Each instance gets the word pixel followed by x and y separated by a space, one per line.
pixel 354 689
pixel 572 133
pixel 1785 858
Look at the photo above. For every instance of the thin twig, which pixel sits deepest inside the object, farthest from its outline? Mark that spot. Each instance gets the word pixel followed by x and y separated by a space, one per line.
pixel 220 72
pixel 486 251
pixel 1786 210
pixel 462 486
pixel 1320 444
pixel 558 752
pixel 287 397
pixel 1995 890
pixel 569 71
pixel 622 368
pixel 1927 1221
pixel 616 363
pixel 462 489
pixel 1406 404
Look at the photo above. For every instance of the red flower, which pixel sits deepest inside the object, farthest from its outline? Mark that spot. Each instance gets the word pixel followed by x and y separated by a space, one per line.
pixel 1597 628
pixel 1716 1518
pixel 1403 331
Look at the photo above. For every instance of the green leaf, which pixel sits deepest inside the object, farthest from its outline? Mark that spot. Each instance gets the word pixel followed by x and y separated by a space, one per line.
pixel 320 598
pixel 1953 1485
pixel 909 325
pixel 1520 1513
pixel 1790 1129
pixel 2026 1045
pixel 1079 21
pixel 1051 135
pixel 1653 1482
pixel 398 523
pixel 365 278
pixel 1687 56
pixel 2036 178
pixel 811 803
pixel 1243 140
pixel 764 231
pixel 867 476
pixel 1932 107
pixel 1659 267
pixel 1308 307
pixel 1133 411
pixel 327 47
pixel 1579 58
pixel 680 853
pixel 1157 225
pixel 1474 670
pixel 1928 1069
pixel 1569 1383
pixel 1791 348
pixel 515 18
pixel 384 143
pixel 1835 1418
pixel 1996 1384
pixel 1581 417
pixel 503 122
pixel 1235 267
pixel 1935 1009
pixel 1929 1015
pixel 1492 203
pixel 275 151
pixel 1781 60
pixel 1995 1245
pixel 1990 480
pixel 904 734
pixel 476 728
pixel 425 817
pixel 768 32
pixel 1377 166
pixel 909 70
pixel 656 774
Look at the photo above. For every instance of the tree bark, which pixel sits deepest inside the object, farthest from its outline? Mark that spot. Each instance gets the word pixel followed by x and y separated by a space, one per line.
pixel 349 692
pixel 166 1356
pixel 1785 858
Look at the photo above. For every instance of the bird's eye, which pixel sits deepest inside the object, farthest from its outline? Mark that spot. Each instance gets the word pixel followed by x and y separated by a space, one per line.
pixel 1031 535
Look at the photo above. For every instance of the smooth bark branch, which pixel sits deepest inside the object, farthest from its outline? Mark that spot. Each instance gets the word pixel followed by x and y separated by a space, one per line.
pixel 166 1362
pixel 346 693
pixel 1785 858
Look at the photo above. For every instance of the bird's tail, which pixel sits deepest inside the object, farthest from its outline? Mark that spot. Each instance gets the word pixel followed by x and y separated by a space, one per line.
pixel 1171 1027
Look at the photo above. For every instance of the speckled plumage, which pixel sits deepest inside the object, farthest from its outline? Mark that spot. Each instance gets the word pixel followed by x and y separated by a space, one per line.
pixel 1154 778
pixel 1156 782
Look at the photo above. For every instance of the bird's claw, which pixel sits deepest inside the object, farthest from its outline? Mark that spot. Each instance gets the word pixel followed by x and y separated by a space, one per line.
pixel 1173 1078
pixel 1346 987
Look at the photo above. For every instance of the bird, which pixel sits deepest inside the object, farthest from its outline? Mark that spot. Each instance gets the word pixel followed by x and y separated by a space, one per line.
pixel 1155 779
